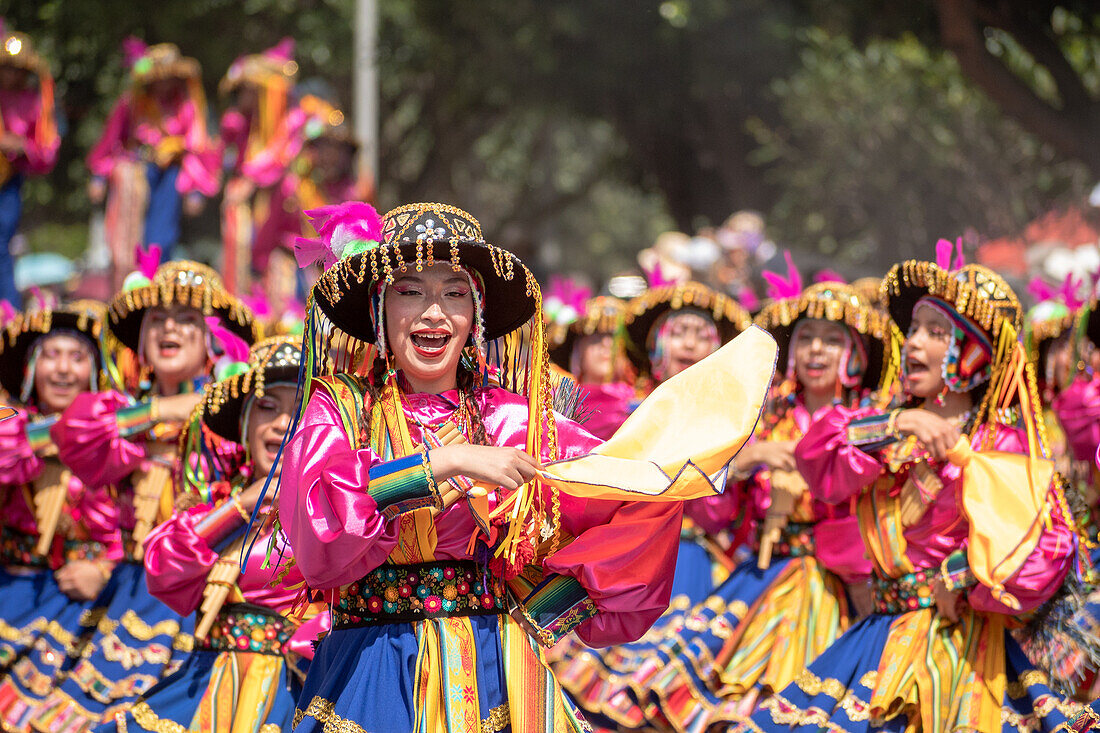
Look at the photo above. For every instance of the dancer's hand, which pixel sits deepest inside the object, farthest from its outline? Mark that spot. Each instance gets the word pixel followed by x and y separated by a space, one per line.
pixel 508 468
pixel 777 455
pixel 81 580
pixel 251 495
pixel 947 601
pixel 936 434
pixel 177 408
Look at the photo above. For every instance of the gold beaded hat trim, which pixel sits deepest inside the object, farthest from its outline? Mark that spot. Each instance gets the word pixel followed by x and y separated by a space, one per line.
pixel 643 312
pixel 1039 335
pixel 421 235
pixel 179 283
pixel 974 291
pixel 164 61
pixel 868 288
pixel 18 337
pixel 18 51
pixel 603 314
pixel 838 302
pixel 270 361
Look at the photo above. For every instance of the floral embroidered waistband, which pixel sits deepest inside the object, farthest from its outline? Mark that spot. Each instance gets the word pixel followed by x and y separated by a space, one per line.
pixel 910 592
pixel 393 594
pixel 243 627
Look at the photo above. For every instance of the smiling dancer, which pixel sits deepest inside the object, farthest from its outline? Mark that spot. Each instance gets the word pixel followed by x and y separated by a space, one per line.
pixel 783 606
pixel 58 539
pixel 958 553
pixel 243 674
pixel 171 324
pixel 412 506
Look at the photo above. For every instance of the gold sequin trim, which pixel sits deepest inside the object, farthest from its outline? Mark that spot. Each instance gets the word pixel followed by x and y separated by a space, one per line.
pixel 324 712
pixel 1027 679
pixel 499 718
pixel 813 685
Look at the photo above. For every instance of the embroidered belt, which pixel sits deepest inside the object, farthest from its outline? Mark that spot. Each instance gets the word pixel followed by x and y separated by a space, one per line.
pixel 244 627
pixel 910 592
pixel 795 540
pixel 392 594
pixel 17 548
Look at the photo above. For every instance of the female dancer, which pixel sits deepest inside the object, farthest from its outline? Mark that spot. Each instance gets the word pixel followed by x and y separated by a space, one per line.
pixel 243 674
pixel 130 443
pixel 592 351
pixel 411 554
pixel 58 539
pixel 28 139
pixel 153 160
pixel 670 328
pixel 957 551
pixel 783 606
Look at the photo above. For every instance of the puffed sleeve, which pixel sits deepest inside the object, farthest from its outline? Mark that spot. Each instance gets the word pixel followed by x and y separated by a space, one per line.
pixel 715 513
pixel 177 560
pixel 233 137
pixel 92 437
pixel 97 513
pixel 112 141
pixel 1078 409
pixel 834 468
pixel 334 525
pixel 199 167
pixel 623 555
pixel 18 462
pixel 40 145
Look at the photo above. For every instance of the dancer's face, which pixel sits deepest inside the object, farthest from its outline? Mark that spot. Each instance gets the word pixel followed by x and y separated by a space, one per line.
pixel 690 338
pixel 595 358
pixel 429 316
pixel 818 346
pixel 268 420
pixel 63 370
pixel 926 346
pixel 175 343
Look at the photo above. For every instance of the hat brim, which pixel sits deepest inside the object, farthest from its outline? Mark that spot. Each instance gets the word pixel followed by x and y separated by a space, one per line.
pixel 128 309
pixel 728 315
pixel 343 292
pixel 14 353
pixel 225 419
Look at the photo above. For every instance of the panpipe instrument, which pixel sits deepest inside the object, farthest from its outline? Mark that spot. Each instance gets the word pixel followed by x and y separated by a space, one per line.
pixel 150 484
pixel 51 489
pixel 787 488
pixel 219 581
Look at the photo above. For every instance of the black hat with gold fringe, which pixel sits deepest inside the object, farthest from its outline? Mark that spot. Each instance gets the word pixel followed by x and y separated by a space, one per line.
pixel 360 253
pixel 177 283
pixel 644 311
pixel 603 314
pixel 868 288
pixel 19 336
pixel 840 303
pixel 274 360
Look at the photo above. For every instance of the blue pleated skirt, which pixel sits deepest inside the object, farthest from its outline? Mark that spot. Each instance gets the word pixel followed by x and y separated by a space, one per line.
pixel 130 641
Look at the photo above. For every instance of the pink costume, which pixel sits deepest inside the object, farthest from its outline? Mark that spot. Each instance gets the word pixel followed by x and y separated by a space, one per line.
pixel 607 406
pixel 179 554
pixel 132 134
pixel 838 471
pixel 339 535
pixel 20 110
pixel 1078 410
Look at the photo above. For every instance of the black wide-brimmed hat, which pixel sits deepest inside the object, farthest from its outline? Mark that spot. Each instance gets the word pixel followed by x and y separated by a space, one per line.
pixel 18 337
pixel 644 311
pixel 841 303
pixel 415 236
pixel 603 314
pixel 178 283
pixel 974 291
pixel 270 361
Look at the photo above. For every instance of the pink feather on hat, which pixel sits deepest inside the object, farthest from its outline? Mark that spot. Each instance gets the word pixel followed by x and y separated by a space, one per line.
pixel 281 51
pixel 780 287
pixel 232 345
pixel 829 276
pixel 133 48
pixel 7 310
pixel 257 301
pixel 1069 292
pixel 944 249
pixel 655 276
pixel 1041 290
pixel 148 260
pixel 338 226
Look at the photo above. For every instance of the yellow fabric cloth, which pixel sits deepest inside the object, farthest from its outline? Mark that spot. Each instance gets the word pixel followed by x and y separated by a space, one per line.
pixel 1004 498
pixel 949 676
pixel 684 434
pixel 240 694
